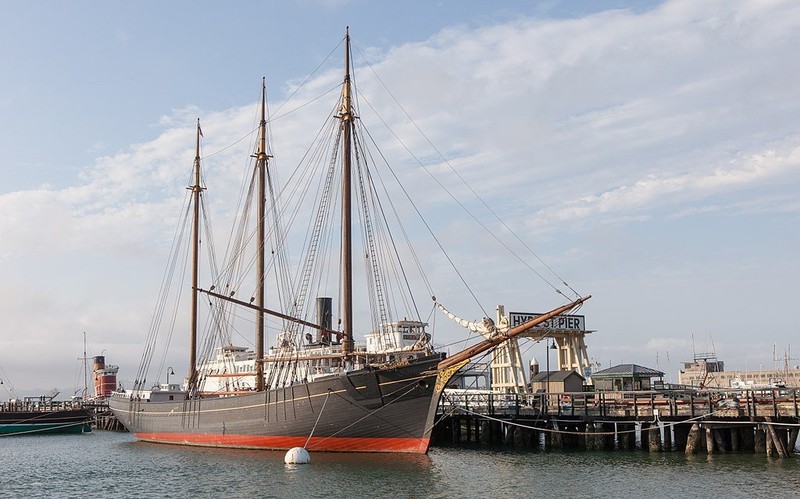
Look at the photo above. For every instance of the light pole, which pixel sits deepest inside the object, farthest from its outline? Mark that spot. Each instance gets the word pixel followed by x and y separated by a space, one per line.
pixel 547 389
pixel 169 371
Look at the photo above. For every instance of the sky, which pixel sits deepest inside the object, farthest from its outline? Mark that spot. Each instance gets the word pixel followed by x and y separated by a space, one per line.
pixel 648 152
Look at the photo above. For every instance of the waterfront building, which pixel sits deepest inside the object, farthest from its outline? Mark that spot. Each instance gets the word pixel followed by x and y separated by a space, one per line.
pixel 625 377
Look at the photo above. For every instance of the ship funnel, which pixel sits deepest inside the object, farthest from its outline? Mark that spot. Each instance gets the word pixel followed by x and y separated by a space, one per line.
pixel 324 317
pixel 98 362
pixel 105 377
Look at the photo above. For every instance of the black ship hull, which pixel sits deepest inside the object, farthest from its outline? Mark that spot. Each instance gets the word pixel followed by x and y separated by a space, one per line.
pixel 23 421
pixel 388 409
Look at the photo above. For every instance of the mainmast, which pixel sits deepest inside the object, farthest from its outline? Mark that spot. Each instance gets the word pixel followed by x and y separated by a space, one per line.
pixel 196 190
pixel 347 116
pixel 261 171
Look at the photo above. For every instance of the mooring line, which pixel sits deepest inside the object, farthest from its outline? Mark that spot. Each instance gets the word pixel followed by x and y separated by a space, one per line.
pixel 39 430
pixel 305 445
pixel 566 432
pixel 412 387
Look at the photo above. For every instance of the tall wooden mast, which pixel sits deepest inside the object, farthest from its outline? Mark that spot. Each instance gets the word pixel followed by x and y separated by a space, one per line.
pixel 261 171
pixel 347 116
pixel 196 190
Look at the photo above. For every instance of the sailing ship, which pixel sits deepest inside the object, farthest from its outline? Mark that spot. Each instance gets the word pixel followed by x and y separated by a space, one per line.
pixel 316 387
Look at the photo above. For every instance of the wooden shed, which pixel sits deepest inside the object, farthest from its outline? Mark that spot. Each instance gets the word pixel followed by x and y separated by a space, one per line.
pixel 559 382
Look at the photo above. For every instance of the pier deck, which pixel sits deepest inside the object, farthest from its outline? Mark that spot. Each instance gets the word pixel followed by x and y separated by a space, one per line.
pixel 688 421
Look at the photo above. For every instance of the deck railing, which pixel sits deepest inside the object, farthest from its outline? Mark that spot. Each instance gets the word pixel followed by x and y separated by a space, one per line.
pixel 637 404
pixel 38 405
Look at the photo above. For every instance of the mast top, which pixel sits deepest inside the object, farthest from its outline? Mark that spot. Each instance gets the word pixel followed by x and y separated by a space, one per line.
pixel 198 135
pixel 196 186
pixel 261 153
pixel 346 110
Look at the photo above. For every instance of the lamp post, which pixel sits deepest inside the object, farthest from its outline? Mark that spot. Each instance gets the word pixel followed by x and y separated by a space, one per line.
pixel 169 371
pixel 547 388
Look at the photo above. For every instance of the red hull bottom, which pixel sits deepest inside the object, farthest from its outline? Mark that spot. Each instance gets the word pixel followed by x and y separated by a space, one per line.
pixel 328 444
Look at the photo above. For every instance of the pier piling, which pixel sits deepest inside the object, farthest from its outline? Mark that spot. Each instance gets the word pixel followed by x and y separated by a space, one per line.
pixel 667 437
pixel 776 441
pixel 709 440
pixel 627 436
pixel 793 439
pixel 654 438
pixel 693 439
pixel 760 441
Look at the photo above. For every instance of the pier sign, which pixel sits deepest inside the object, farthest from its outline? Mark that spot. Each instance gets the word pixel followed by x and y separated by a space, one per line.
pixel 562 322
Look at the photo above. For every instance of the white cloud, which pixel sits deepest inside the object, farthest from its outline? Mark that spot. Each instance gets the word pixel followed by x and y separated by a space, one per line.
pixel 655 191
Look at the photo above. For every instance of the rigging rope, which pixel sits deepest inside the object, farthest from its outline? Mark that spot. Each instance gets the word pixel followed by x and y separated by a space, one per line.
pixel 318 417
pixel 369 413
pixel 463 180
pixel 49 429
pixel 567 432
pixel 161 301
pixel 430 230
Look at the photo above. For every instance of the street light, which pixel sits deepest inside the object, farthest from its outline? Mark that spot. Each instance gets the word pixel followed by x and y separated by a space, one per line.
pixel 547 389
pixel 169 371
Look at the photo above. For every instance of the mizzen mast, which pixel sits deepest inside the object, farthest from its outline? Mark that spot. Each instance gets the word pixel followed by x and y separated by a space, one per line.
pixel 346 116
pixel 196 190
pixel 261 172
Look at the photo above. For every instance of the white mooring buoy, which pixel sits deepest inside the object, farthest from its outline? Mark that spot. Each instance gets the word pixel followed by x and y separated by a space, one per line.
pixel 297 455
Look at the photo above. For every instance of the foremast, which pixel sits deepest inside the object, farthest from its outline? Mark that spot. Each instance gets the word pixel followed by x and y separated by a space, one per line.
pixel 262 160
pixel 196 189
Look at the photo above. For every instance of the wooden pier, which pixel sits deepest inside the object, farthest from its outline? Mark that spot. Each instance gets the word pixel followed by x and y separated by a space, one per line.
pixel 102 417
pixel 763 422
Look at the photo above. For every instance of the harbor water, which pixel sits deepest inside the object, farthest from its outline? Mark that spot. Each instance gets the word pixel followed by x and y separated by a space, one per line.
pixel 108 464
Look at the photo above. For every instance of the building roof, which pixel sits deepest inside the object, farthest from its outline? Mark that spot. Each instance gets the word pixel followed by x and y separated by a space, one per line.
pixel 555 376
pixel 628 371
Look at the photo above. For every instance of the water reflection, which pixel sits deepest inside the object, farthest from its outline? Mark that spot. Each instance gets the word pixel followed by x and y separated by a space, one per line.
pixel 116 465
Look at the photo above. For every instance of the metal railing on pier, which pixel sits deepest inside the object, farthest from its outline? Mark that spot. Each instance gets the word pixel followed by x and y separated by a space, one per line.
pixel 630 404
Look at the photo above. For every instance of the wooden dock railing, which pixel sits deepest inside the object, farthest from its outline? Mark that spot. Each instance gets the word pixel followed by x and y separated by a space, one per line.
pixel 631 404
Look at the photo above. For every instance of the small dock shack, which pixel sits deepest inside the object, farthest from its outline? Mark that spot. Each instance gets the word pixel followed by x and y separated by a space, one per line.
pixel 557 381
